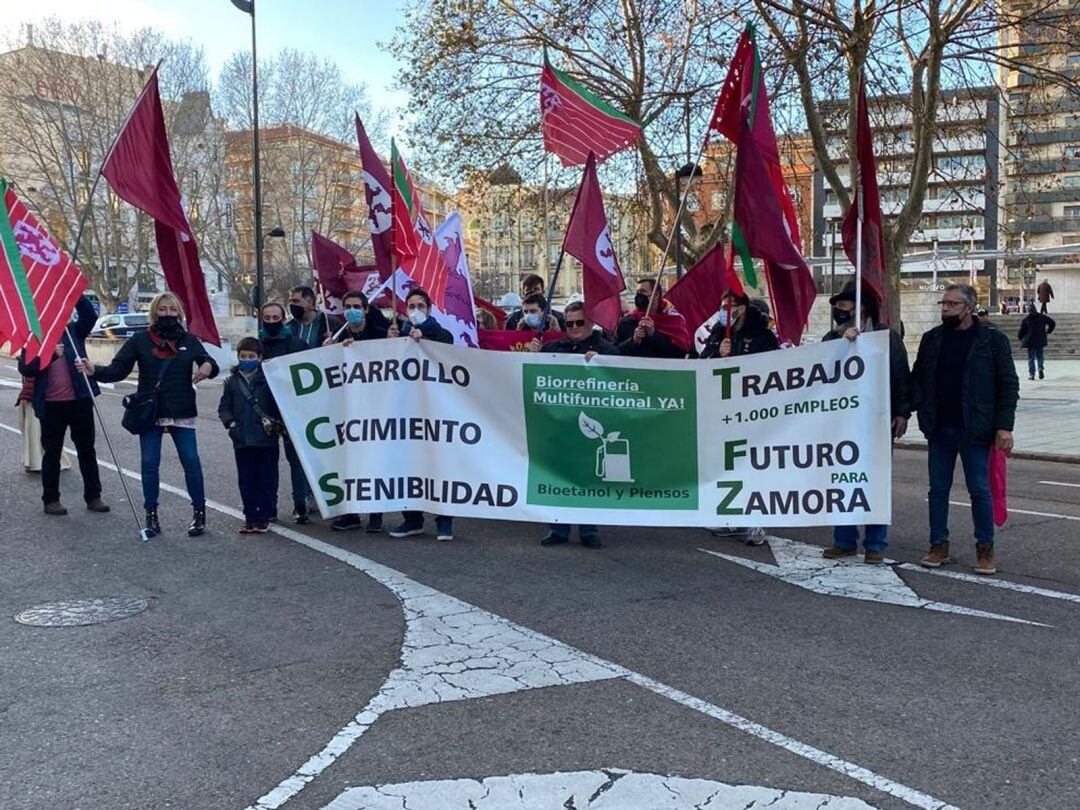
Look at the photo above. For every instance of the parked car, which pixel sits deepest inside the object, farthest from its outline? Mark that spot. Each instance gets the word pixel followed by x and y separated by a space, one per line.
pixel 120 326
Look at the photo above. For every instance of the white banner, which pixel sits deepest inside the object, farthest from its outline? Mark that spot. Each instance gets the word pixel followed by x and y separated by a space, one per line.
pixel 788 438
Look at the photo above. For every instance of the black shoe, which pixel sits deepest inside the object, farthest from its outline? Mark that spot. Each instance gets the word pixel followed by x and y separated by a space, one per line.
pixel 1041 376
pixel 592 541
pixel 300 514
pixel 346 523
pixel 374 525
pixel 153 527
pixel 97 505
pixel 198 523
pixel 54 508
pixel 552 539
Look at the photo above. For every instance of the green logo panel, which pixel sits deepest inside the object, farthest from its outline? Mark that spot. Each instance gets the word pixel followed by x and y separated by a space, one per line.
pixel 612 438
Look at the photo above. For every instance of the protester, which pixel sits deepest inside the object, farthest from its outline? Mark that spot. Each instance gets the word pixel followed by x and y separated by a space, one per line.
pixel 532 311
pixel 846 538
pixel 580 339
pixel 63 399
pixel 1033 332
pixel 170 359
pixel 362 322
pixel 532 284
pixel 662 333
pixel 310 324
pixel 750 333
pixel 964 387
pixel 421 326
pixel 1045 294
pixel 248 411
pixel 485 320
pixel 278 340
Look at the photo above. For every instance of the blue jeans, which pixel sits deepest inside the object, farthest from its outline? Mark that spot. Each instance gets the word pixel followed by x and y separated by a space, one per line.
pixel 944 446
pixel 415 520
pixel 563 530
pixel 847 538
pixel 186 449
pixel 1035 354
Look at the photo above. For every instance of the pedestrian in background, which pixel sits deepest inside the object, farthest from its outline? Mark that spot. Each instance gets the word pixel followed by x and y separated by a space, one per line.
pixel 170 361
pixel 965 389
pixel 248 411
pixel 846 538
pixel 63 400
pixel 1045 294
pixel 1033 332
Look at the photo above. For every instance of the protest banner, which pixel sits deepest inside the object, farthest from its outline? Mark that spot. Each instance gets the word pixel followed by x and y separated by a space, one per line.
pixel 786 438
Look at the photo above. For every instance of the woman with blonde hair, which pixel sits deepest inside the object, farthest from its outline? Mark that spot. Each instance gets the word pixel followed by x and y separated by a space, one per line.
pixel 170 360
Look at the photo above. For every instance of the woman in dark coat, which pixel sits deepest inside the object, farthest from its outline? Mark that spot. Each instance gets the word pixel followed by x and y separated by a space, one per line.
pixel 169 359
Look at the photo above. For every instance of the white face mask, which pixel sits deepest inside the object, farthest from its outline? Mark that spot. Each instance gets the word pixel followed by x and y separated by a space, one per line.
pixel 417 316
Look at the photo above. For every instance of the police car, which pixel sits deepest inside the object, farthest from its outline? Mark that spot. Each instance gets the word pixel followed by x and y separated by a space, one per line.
pixel 120 325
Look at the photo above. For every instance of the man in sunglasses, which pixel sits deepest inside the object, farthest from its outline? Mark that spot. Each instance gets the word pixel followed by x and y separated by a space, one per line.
pixel 965 388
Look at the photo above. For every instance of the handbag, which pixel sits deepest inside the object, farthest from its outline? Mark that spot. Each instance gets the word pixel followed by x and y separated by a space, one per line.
pixel 271 427
pixel 141 408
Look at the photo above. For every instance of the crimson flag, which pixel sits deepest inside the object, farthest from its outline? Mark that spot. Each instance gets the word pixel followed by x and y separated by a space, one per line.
pixel 336 267
pixel 140 171
pixel 873 224
pixel 760 219
pixel 589 241
pixel 496 312
pixel 698 293
pixel 377 194
pixel 576 121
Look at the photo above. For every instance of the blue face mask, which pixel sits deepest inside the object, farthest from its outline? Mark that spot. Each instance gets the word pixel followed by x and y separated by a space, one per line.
pixel 723 317
pixel 532 319
pixel 354 317
pixel 248 366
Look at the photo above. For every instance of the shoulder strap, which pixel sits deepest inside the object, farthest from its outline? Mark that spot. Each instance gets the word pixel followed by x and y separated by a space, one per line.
pixel 249 395
pixel 161 372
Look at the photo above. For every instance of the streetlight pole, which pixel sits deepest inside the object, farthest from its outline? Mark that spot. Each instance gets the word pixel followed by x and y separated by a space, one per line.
pixel 248 7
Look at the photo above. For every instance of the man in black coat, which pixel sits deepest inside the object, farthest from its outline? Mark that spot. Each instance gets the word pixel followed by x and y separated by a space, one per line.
pixel 965 389
pixel 639 336
pixel 62 400
pixel 846 538
pixel 750 332
pixel 1033 331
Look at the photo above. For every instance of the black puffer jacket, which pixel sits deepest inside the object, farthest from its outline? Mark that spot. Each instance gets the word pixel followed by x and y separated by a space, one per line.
pixel 148 351
pixel 753 337
pixel 655 345
pixel 593 343
pixel 990 387
pixel 234 409
pixel 284 342
pixel 899 371
pixel 431 329
pixel 1034 329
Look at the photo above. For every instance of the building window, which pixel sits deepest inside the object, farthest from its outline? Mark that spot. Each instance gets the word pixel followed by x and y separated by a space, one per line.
pixel 1072 151
pixel 1072 211
pixel 1071 181
pixel 528 258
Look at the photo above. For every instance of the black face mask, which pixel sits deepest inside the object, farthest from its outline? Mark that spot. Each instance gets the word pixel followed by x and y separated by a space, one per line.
pixel 297 311
pixel 273 328
pixel 951 321
pixel 168 326
pixel 641 301
pixel 842 316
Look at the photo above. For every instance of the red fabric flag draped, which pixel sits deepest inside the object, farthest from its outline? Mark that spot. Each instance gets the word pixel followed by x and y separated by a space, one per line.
pixel 576 122
pixel 743 97
pixel 39 284
pixel 698 293
pixel 140 171
pixel 377 194
pixel 336 267
pixel 589 241
pixel 873 224
pixel 498 314
pixel 415 249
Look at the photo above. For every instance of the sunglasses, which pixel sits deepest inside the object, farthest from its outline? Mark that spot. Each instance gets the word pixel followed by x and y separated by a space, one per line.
pixel 574 324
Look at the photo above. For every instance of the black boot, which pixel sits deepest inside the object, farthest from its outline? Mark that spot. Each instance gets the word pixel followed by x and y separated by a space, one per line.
pixel 153 527
pixel 198 523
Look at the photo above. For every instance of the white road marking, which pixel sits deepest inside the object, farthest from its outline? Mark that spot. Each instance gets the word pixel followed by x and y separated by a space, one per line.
pixel 438 604
pixel 993 582
pixel 608 789
pixel 1025 512
pixel 1060 484
pixel 801 564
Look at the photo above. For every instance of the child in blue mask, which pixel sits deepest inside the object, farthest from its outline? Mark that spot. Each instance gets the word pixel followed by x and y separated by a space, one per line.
pixel 248 411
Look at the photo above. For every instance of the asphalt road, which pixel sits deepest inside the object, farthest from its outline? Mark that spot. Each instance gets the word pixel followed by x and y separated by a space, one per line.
pixel 310 669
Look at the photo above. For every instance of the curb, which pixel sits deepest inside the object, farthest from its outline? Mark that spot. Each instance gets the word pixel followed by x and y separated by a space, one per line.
pixel 1021 454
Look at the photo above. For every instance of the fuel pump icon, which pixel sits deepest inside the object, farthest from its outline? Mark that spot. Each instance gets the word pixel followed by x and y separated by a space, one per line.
pixel 613 454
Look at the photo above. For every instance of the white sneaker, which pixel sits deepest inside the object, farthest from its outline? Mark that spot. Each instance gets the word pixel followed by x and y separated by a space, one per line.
pixel 755 536
pixel 444 537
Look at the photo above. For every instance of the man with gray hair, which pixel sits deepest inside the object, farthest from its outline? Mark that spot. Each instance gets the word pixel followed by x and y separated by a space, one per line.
pixel 965 390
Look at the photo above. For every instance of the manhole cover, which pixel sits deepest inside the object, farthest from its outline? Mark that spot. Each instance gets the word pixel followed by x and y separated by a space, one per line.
pixel 78 612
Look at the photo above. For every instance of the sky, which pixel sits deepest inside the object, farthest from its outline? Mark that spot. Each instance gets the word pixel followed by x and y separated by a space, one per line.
pixel 346 32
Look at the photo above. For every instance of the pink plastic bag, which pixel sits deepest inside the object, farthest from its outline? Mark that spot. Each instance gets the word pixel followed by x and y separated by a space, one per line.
pixel 998 488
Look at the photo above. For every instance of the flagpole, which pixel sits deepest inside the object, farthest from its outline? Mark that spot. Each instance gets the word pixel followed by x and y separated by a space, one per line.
pixel 558 264
pixel 546 226
pixel 858 256
pixel 255 174
pixel 108 441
